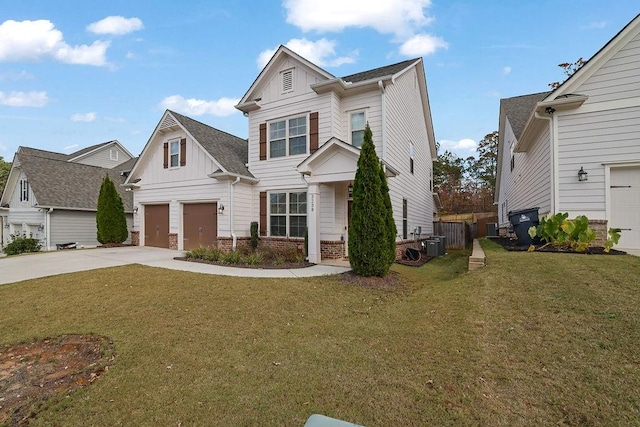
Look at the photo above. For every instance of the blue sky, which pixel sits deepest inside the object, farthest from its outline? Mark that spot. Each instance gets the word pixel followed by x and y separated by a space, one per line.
pixel 77 73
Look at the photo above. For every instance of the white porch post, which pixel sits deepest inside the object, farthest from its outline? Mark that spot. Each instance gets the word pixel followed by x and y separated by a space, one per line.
pixel 313 223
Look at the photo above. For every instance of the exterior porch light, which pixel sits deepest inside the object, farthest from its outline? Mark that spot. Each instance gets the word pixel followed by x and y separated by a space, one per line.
pixel 221 209
pixel 582 175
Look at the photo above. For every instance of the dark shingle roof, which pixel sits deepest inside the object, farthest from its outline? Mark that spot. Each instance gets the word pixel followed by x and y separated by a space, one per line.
pixel 519 108
pixel 228 150
pixel 43 153
pixel 63 184
pixel 87 149
pixel 379 72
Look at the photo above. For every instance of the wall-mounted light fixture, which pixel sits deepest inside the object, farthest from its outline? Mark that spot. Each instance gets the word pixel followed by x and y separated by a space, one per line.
pixel 549 110
pixel 582 174
pixel 135 210
pixel 41 227
pixel 221 209
pixel 6 225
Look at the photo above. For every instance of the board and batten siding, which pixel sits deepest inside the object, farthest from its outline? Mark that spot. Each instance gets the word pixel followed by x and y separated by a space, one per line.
pixel 103 157
pixel 591 140
pixel 244 210
pixel 77 227
pixel 15 202
pixel 531 176
pixel 618 78
pixel 405 124
pixel 25 220
pixel 303 77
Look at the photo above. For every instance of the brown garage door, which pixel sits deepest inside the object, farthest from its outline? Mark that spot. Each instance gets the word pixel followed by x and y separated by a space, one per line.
pixel 156 226
pixel 200 225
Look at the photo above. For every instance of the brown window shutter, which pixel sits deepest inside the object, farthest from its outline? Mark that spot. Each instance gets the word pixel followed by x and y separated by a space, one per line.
pixel 313 132
pixel 263 213
pixel 263 142
pixel 166 155
pixel 183 151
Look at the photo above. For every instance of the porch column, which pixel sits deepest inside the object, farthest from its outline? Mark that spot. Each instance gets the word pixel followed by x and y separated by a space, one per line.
pixel 313 223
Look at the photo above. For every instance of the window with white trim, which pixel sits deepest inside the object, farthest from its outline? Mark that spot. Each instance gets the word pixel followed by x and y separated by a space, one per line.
pixel 288 137
pixel 24 190
pixel 357 123
pixel 174 154
pixel 288 214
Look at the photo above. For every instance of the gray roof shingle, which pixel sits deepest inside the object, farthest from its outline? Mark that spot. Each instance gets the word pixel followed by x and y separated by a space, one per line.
pixel 57 182
pixel 387 70
pixel 519 108
pixel 228 150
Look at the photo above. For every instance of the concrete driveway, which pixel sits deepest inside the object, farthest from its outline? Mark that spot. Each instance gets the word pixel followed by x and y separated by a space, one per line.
pixel 31 266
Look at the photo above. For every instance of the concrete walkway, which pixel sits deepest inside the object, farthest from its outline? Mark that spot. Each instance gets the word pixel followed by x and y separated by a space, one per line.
pixel 31 266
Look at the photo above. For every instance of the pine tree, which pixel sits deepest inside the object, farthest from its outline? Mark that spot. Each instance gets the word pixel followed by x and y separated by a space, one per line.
pixel 390 224
pixel 368 233
pixel 111 221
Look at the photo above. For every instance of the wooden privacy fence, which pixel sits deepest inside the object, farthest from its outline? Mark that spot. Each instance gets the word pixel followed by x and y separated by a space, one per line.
pixel 458 234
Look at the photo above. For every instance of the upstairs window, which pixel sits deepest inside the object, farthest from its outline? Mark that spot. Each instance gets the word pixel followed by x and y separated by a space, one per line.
pixel 24 190
pixel 288 137
pixel 174 154
pixel 357 125
pixel 287 81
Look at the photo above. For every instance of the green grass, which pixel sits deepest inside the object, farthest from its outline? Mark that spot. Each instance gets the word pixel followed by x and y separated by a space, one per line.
pixel 532 339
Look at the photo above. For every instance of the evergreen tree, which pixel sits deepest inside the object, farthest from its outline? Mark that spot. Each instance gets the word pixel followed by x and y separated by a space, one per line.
pixel 390 224
pixel 368 233
pixel 110 218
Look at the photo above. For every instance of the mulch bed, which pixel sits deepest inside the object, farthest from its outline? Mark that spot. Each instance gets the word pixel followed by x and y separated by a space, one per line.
pixel 265 266
pixel 513 245
pixel 422 261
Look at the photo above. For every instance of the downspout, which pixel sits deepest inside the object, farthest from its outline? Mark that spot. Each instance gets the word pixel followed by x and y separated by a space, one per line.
pixel 552 156
pixel 384 120
pixel 231 200
pixel 47 224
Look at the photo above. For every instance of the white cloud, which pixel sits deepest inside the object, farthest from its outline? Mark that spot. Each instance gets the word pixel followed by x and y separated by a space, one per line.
pixel 463 148
pixel 197 107
pixel 422 44
pixel 10 75
pixel 115 25
pixel 321 52
pixel 24 99
pixel 83 117
pixel 36 40
pixel 71 148
pixel 506 71
pixel 595 25
pixel 399 17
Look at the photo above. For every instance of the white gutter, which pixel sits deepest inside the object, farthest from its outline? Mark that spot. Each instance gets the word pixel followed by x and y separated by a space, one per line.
pixel 552 154
pixel 384 120
pixel 233 233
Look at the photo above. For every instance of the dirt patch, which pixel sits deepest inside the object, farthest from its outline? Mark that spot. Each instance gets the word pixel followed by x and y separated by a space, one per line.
pixel 32 374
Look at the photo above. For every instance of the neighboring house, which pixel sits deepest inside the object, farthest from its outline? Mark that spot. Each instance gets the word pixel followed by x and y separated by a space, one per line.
pixel 590 123
pixel 296 169
pixel 53 196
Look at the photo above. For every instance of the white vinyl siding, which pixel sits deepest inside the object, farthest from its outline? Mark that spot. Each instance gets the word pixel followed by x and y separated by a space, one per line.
pixel 106 157
pixel 22 187
pixel 77 227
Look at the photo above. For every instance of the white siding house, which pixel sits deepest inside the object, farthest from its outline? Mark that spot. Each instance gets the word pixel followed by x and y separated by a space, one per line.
pixel 53 196
pixel 590 123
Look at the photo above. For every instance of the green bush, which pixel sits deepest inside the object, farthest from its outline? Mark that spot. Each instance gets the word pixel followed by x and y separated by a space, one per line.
pixel 231 258
pixel 20 244
pixel 557 230
pixel 254 235
pixel 111 221
pixel 253 259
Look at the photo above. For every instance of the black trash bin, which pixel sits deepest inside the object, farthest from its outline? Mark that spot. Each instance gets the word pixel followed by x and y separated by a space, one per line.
pixel 522 220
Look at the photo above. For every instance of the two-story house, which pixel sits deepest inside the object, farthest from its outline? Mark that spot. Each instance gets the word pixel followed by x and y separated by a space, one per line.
pixel 294 173
pixel 53 197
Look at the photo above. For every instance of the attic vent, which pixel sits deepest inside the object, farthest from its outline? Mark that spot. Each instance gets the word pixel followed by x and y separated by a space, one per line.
pixel 287 81
pixel 168 122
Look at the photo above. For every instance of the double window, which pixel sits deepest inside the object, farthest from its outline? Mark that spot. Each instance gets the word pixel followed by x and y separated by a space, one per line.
pixel 24 190
pixel 288 214
pixel 357 124
pixel 288 137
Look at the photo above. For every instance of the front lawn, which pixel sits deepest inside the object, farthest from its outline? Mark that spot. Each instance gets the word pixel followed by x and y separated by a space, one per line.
pixel 531 339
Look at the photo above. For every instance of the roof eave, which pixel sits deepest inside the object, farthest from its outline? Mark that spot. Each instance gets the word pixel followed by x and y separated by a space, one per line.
pixel 342 88
pixel 248 106
pixel 226 176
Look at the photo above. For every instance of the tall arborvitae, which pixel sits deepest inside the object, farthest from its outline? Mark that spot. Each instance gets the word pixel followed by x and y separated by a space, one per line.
pixel 390 224
pixel 368 233
pixel 110 218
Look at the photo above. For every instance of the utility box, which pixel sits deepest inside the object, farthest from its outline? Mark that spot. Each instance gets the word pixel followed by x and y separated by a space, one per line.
pixel 442 250
pixel 433 247
pixel 492 229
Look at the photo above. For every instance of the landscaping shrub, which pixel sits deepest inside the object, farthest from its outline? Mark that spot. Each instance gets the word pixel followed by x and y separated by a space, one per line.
pixel 111 221
pixel 231 258
pixel 254 235
pixel 557 230
pixel 254 259
pixel 20 244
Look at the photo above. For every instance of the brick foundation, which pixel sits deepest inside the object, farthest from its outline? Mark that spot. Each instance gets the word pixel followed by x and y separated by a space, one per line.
pixel 600 227
pixel 332 249
pixel 173 241
pixel 284 243
pixel 225 244
pixel 402 246
pixel 135 238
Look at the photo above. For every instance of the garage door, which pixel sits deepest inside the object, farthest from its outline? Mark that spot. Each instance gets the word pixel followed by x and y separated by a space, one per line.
pixel 156 226
pixel 625 205
pixel 199 225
